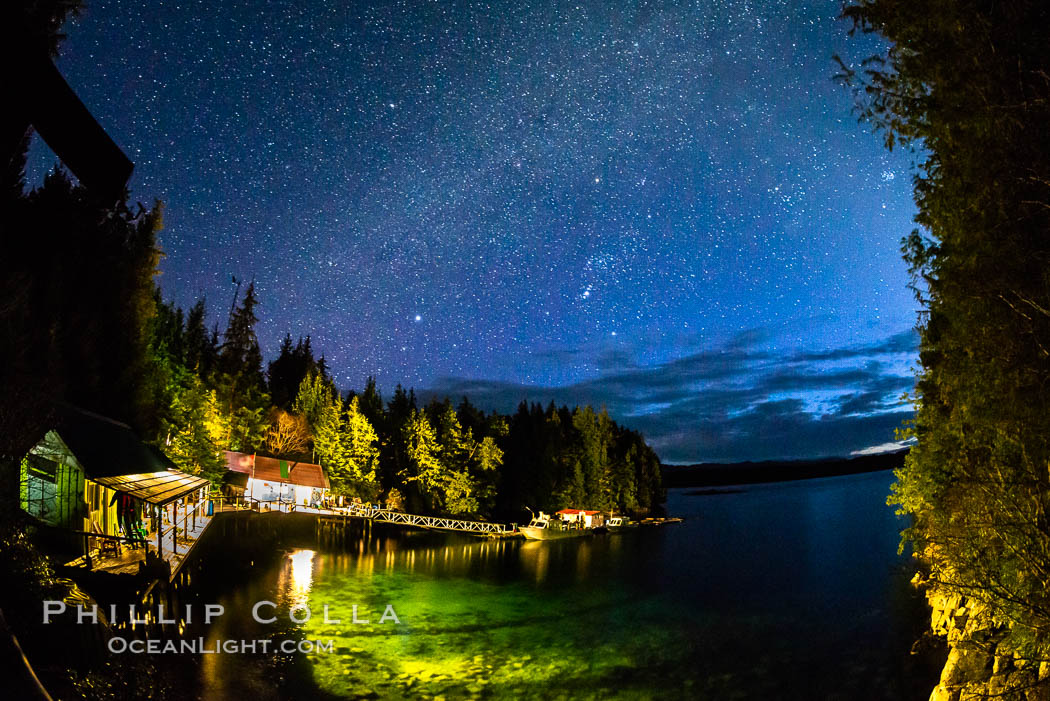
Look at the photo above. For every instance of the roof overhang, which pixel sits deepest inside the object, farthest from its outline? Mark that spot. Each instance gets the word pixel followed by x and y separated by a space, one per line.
pixel 158 488
pixel 70 130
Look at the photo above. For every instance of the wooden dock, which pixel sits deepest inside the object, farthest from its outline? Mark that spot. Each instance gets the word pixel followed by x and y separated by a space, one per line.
pixel 436 523
pixel 178 543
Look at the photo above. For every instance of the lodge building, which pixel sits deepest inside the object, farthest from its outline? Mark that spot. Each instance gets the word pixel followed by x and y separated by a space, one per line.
pixel 276 482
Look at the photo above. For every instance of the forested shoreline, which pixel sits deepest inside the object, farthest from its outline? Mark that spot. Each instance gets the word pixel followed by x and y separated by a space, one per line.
pixel 434 458
pixel 91 328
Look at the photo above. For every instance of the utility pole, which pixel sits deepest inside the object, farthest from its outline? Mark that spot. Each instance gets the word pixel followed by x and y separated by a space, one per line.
pixel 233 304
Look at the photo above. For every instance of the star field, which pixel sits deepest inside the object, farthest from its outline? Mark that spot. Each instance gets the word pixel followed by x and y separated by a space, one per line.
pixel 507 192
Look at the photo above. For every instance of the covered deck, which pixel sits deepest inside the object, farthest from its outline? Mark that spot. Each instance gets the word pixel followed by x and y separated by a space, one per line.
pixel 174 506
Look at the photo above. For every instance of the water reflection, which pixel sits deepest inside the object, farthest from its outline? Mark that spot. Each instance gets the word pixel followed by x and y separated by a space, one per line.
pixel 572 560
pixel 445 554
pixel 778 592
pixel 535 557
pixel 302 573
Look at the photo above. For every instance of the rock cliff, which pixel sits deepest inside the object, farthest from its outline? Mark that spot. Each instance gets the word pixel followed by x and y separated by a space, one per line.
pixel 983 660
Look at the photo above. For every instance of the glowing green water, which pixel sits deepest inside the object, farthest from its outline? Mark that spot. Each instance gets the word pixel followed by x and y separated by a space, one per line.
pixel 462 637
pixel 793 591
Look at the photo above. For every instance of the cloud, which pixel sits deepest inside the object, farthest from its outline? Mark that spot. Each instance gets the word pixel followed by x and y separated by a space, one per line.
pixel 737 402
pixel 861 403
pixel 890 447
pixel 776 432
pixel 903 342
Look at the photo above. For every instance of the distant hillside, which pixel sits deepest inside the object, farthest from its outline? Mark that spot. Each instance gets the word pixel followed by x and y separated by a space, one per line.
pixel 719 474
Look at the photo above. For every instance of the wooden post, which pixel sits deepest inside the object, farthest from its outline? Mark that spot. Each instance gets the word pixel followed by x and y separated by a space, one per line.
pixel 87 551
pixel 160 530
pixel 169 592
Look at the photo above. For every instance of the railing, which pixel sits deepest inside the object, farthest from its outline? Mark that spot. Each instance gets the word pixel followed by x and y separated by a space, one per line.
pixel 189 516
pixel 152 541
pixel 87 548
pixel 24 683
pixel 438 522
pixel 243 503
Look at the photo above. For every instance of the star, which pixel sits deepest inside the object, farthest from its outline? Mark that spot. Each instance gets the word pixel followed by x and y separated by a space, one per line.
pixel 736 190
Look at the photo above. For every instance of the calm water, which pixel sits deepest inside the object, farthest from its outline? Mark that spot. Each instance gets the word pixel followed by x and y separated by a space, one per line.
pixel 781 591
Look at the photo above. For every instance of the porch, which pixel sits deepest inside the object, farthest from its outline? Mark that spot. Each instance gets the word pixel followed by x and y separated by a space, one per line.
pixel 169 516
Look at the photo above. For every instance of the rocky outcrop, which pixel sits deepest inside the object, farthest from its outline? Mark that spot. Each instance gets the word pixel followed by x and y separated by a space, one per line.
pixel 982 663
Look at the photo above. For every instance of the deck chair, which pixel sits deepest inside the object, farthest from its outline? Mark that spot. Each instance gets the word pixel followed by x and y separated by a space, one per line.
pixel 140 533
pixel 105 545
pixel 137 535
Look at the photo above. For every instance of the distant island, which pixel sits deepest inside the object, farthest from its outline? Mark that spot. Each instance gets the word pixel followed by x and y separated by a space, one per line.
pixel 713 474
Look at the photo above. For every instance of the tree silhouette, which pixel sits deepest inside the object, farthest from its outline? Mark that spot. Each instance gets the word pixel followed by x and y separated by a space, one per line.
pixel 965 85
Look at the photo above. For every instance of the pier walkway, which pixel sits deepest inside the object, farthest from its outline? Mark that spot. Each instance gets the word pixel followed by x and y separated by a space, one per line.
pixel 429 522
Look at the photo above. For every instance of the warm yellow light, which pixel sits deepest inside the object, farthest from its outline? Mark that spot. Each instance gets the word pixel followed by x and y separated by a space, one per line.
pixel 302 571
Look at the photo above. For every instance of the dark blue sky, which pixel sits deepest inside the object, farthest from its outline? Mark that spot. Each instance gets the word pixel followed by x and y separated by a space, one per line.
pixel 665 208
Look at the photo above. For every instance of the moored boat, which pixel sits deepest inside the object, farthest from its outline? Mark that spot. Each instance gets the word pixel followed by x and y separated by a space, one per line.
pixel 619 523
pixel 543 527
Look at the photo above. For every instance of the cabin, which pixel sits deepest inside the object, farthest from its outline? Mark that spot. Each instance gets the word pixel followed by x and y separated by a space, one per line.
pixel 588 519
pixel 86 467
pixel 278 482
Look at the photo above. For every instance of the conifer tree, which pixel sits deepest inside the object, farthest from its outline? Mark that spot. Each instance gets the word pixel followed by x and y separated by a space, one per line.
pixel 359 452
pixel 200 351
pixel 281 376
pixel 240 356
pixel 393 453
pixel 314 399
pixel 421 453
pixel 372 403
pixel 195 429
pixel 78 299
pixel 965 85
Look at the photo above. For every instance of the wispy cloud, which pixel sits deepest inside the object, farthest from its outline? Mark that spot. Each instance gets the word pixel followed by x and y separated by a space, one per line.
pixel 741 401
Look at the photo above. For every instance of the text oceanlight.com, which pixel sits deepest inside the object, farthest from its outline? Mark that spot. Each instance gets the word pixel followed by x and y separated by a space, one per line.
pixel 200 646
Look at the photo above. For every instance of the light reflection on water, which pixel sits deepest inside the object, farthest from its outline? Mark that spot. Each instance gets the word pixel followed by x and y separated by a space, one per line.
pixel 783 591
pixel 302 572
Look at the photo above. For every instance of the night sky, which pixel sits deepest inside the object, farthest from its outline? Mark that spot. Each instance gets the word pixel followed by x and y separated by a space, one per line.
pixel 665 208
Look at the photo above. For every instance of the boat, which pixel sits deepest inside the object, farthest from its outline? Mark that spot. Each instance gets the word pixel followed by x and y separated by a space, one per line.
pixel 619 523
pixel 543 527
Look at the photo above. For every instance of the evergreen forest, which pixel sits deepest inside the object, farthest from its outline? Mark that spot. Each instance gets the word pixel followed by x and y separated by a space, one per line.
pixel 90 327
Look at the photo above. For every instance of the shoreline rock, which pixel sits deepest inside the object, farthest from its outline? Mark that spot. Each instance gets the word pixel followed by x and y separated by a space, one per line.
pixel 981 663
